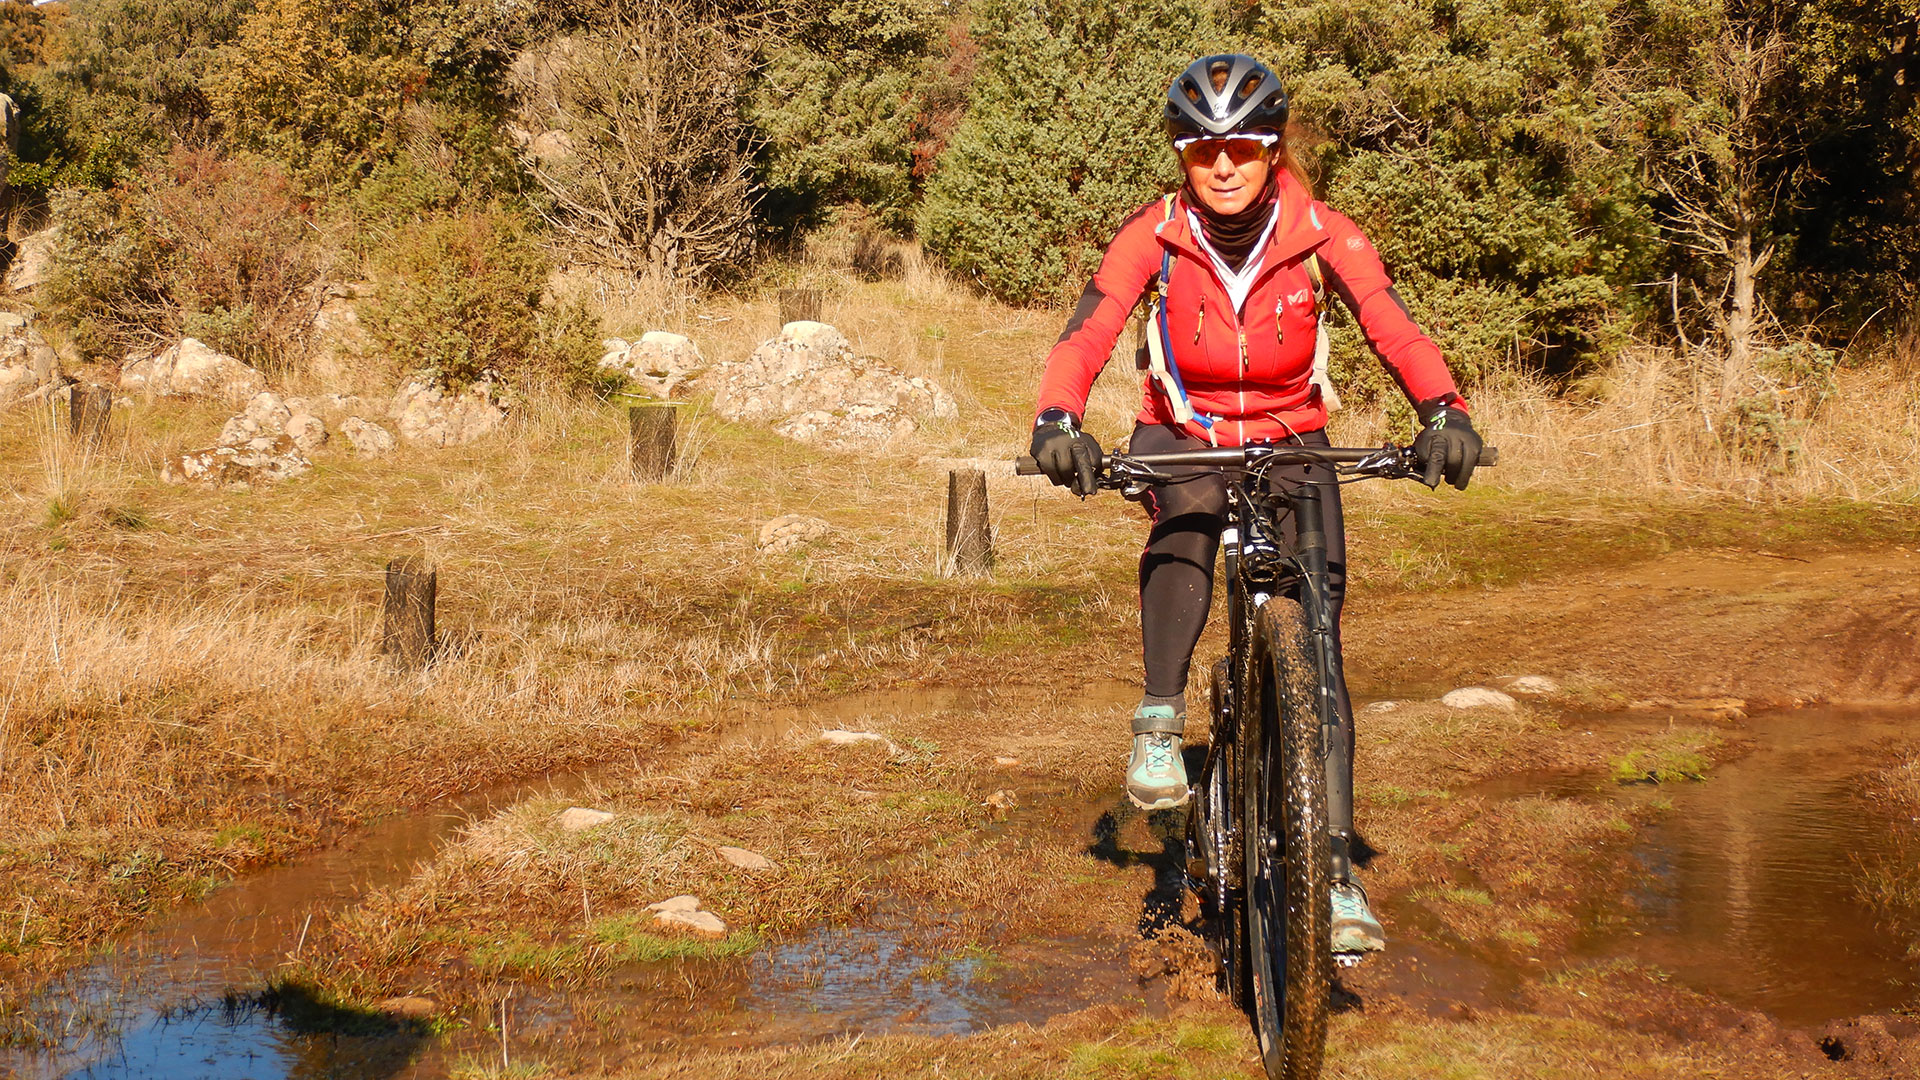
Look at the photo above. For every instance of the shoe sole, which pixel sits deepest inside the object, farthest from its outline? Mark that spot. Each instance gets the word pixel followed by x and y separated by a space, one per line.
pixel 1162 804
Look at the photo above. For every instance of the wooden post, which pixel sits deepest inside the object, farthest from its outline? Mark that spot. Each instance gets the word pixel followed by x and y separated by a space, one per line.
pixel 89 410
pixel 799 305
pixel 406 623
pixel 650 441
pixel 969 538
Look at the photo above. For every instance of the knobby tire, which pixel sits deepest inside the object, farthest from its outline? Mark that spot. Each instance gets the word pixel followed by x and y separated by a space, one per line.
pixel 1288 894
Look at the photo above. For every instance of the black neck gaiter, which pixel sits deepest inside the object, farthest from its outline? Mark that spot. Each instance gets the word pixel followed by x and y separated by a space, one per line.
pixel 1233 235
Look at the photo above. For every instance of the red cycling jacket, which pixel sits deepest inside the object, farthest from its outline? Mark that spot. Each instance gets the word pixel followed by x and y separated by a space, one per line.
pixel 1250 371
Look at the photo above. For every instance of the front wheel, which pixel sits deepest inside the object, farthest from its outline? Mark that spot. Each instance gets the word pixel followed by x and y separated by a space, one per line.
pixel 1288 897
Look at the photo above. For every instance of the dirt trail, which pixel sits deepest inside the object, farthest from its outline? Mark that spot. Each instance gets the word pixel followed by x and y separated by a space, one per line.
pixel 1772 629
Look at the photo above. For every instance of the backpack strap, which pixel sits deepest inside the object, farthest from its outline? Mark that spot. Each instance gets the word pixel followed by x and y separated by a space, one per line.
pixel 1321 377
pixel 1160 366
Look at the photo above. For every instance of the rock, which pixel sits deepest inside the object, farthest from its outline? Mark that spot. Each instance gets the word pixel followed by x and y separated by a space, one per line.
pixel 1005 761
pixel 676 903
pixel 409 1007
pixel 787 532
pixel 811 386
pixel 267 418
pixel 261 460
pixel 660 364
pixel 1533 686
pixel 704 924
pixel 191 369
pixel 745 860
pixel 1003 800
pixel 32 258
pixel 428 414
pixel 1477 697
pixel 842 737
pixel 367 438
pixel 577 818
pixel 337 336
pixel 27 362
pixel 1380 706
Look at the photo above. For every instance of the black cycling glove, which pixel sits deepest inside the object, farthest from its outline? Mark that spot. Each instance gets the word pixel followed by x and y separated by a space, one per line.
pixel 1066 455
pixel 1447 447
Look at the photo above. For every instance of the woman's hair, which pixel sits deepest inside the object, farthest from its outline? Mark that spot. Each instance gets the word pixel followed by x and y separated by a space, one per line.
pixel 1284 158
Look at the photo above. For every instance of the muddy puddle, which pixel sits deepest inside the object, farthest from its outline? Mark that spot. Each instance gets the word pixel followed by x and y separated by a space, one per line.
pixel 1752 887
pixel 1748 895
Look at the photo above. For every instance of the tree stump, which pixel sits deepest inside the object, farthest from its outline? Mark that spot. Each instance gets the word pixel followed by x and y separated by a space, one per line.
pixel 969 536
pixel 799 305
pixel 650 438
pixel 406 623
pixel 89 410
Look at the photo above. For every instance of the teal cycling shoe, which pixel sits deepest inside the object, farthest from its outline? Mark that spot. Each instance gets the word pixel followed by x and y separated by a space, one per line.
pixel 1355 931
pixel 1156 775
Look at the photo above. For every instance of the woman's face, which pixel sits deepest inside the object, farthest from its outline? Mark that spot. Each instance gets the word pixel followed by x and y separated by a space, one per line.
pixel 1227 175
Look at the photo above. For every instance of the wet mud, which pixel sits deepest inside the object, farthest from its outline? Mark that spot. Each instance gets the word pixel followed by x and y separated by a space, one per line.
pixel 1744 893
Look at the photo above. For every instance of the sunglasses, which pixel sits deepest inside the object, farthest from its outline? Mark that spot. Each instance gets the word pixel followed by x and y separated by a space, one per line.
pixel 1196 150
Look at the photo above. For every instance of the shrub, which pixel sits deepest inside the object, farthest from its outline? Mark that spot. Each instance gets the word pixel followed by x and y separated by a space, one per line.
pixel 295 88
pixel 1059 141
pixel 837 107
pixel 641 149
pixel 201 245
pixel 458 295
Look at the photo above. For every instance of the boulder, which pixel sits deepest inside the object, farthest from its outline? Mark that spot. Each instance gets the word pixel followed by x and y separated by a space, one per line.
pixel 337 336
pixel 787 532
pixel 744 859
pixel 577 818
pixel 27 362
pixel 1477 697
pixel 843 737
pixel 238 467
pixel 660 364
pixel 266 443
pixel 685 913
pixel 703 924
pixel 428 414
pixel 32 258
pixel 192 369
pixel 367 438
pixel 811 386
pixel 268 416
pixel 1533 686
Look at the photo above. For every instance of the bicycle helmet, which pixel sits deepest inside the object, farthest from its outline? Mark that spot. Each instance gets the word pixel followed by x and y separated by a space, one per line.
pixel 1220 95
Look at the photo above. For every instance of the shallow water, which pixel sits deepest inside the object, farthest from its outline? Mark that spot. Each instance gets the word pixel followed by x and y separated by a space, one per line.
pixel 1749 896
pixel 1752 888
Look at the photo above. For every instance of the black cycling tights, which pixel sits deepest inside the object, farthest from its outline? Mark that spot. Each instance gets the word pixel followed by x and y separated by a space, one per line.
pixel 1176 575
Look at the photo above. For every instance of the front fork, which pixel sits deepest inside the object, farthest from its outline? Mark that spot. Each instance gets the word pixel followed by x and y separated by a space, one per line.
pixel 1310 548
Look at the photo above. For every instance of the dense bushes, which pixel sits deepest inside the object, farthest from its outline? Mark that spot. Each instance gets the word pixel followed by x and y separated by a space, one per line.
pixel 457 294
pixel 222 249
pixel 1527 171
pixel 1059 141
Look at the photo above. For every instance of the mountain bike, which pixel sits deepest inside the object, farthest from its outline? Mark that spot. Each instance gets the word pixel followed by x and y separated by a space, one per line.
pixel 1260 851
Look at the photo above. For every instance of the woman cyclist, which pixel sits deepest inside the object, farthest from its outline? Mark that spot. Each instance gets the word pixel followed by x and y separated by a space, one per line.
pixel 1238 260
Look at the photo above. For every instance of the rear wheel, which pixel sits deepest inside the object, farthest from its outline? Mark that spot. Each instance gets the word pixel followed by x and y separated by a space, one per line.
pixel 1288 902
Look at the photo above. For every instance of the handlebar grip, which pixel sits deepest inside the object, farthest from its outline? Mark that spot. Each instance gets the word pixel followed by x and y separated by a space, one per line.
pixel 1489 455
pixel 1024 465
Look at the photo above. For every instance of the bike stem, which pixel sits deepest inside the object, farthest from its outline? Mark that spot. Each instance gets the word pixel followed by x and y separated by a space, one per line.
pixel 1310 550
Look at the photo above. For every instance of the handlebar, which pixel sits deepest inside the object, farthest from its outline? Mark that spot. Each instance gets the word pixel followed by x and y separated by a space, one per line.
pixel 1232 457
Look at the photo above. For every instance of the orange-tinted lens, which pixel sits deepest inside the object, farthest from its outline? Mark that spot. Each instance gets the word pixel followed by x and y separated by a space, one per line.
pixel 1238 151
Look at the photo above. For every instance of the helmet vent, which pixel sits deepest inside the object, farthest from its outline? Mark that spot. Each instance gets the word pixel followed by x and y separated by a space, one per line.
pixel 1218 73
pixel 1192 91
pixel 1248 87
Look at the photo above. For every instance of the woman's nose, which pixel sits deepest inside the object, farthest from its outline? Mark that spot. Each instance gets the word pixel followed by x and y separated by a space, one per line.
pixel 1223 165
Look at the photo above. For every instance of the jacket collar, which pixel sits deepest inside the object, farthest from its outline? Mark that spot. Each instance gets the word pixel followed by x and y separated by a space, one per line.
pixel 1299 230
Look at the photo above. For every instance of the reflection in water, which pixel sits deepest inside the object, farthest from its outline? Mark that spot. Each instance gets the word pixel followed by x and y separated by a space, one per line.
pixel 1752 891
